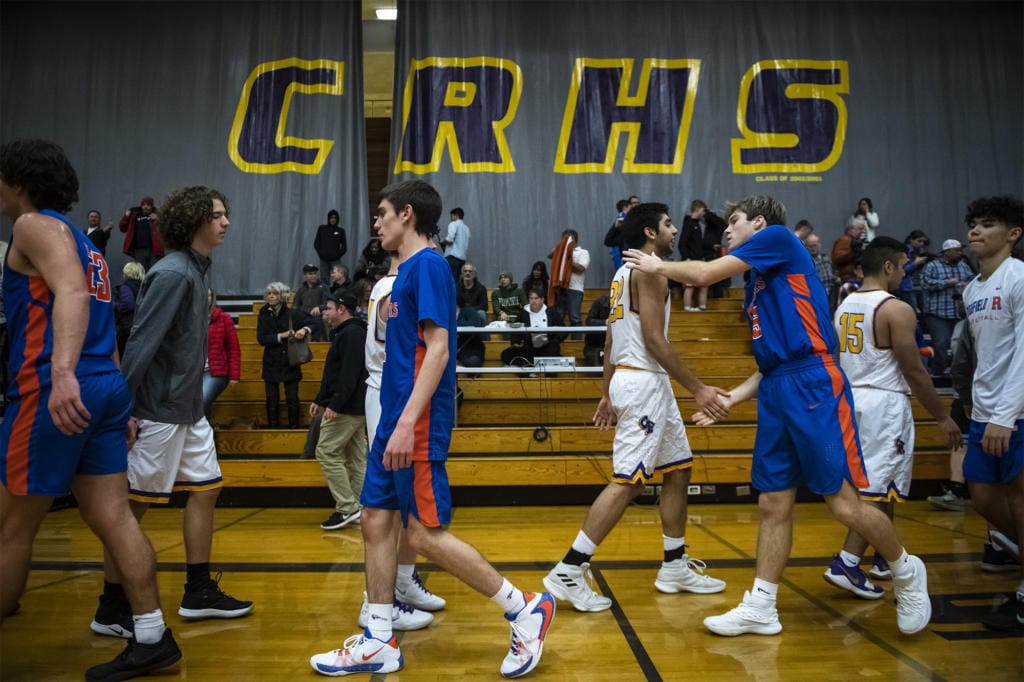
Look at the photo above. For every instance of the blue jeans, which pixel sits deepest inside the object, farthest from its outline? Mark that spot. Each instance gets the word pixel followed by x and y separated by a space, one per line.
pixel 212 388
pixel 572 303
pixel 941 331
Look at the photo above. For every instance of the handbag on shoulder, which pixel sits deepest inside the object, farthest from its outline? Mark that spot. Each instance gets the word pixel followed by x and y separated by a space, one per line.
pixel 299 352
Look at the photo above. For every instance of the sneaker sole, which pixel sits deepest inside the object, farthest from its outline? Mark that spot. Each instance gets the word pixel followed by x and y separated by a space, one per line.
pixel 558 593
pixel 390 667
pixel 880 576
pixel 767 630
pixel 110 630
pixel 421 605
pixel 851 588
pixel 144 670
pixel 673 588
pixel 338 526
pixel 198 614
pixel 999 568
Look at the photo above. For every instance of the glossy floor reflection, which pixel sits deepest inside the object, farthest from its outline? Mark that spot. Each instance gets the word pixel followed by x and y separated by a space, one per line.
pixel 307 585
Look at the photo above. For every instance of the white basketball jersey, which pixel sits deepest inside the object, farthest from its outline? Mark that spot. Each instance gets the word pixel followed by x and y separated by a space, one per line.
pixel 628 349
pixel 375 331
pixel 865 363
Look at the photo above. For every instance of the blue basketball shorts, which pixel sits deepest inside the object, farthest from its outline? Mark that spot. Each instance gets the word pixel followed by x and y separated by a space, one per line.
pixel 806 430
pixel 981 467
pixel 37 459
pixel 421 489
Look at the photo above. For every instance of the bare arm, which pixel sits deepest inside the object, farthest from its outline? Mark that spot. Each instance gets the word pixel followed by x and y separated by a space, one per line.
pixel 604 415
pixel 651 292
pixel 398 454
pixel 898 319
pixel 44 246
pixel 696 272
pixel 745 391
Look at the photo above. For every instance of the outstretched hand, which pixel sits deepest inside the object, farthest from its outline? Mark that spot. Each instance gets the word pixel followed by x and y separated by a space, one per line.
pixel 644 262
pixel 710 399
pixel 704 417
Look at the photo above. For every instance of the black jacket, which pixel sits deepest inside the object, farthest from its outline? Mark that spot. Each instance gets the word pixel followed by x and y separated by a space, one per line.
pixel 330 242
pixel 692 246
pixel 343 386
pixel 275 352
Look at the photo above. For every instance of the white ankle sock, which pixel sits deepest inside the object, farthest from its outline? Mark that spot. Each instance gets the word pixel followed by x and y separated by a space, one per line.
pixel 584 544
pixel 405 571
pixel 901 568
pixel 378 621
pixel 851 560
pixel 672 543
pixel 764 593
pixel 149 627
pixel 510 599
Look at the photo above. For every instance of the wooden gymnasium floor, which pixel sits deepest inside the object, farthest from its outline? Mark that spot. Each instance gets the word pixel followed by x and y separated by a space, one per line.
pixel 307 585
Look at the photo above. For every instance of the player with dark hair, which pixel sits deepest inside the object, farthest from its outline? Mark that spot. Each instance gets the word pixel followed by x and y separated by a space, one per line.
pixel 806 428
pixel 879 354
pixel 639 364
pixel 406 480
pixel 68 405
pixel 994 301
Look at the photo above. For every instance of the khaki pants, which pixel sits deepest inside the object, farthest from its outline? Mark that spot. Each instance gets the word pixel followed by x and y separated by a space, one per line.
pixel 341 451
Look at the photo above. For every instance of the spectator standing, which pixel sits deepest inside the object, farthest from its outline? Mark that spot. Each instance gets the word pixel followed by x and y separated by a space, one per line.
pixel 330 244
pixel 700 239
pixel 846 250
pixel 141 239
pixel 456 242
pixel 823 266
pixel 223 355
pixel 275 324
pixel 341 405
pixel 943 280
pixel 911 290
pixel 310 298
pixel 866 213
pixel 803 229
pixel 96 234
pixel 125 295
pixel 569 258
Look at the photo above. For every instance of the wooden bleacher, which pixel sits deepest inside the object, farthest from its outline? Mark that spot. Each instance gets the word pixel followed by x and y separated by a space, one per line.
pixel 496 442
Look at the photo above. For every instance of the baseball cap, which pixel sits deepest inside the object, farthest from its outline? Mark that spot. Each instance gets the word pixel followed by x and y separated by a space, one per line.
pixel 346 298
pixel 951 244
pixel 309 267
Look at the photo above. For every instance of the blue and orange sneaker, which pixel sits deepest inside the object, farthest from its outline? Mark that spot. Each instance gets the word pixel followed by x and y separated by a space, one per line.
pixel 529 628
pixel 359 654
pixel 852 579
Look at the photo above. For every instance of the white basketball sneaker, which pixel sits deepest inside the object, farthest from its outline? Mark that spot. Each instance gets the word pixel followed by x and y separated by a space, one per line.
pixel 403 616
pixel 359 654
pixel 913 606
pixel 412 591
pixel 572 584
pixel 748 617
pixel 686 575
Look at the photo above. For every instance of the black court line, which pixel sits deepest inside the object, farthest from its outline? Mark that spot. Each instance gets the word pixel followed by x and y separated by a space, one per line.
pixel 643 659
pixel 864 632
pixel 501 566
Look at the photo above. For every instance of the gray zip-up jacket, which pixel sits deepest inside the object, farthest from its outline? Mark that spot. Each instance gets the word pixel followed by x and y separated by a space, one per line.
pixel 166 352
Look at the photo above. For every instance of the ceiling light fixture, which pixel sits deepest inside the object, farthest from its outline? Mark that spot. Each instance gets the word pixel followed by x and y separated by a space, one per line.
pixel 387 13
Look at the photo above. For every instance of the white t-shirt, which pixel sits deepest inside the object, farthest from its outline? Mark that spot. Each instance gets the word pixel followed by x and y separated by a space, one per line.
pixel 580 256
pixel 995 311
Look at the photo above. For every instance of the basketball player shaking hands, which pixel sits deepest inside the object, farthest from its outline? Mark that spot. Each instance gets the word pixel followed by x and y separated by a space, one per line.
pixel 806 430
pixel 639 364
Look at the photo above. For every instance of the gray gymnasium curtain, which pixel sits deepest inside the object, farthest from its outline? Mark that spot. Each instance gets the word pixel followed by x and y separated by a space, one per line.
pixel 538 116
pixel 262 100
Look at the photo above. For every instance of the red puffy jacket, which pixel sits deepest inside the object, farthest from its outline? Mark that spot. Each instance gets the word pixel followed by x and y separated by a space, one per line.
pixel 224 353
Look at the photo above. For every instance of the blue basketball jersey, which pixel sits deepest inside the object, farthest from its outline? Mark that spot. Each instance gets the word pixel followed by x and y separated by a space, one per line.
pixel 786 304
pixel 28 303
pixel 423 290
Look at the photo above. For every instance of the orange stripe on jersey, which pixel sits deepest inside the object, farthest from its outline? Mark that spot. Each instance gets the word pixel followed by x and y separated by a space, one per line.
pixel 423 491
pixel 853 460
pixel 798 283
pixel 421 432
pixel 28 389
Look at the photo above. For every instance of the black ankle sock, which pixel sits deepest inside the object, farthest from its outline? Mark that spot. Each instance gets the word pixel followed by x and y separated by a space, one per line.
pixel 958 489
pixel 197 575
pixel 574 558
pixel 114 590
pixel 674 554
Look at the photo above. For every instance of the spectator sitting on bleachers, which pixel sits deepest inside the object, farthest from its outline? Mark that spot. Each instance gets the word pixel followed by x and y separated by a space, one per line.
pixel 593 342
pixel 470 298
pixel 339 279
pixel 508 299
pixel 537 279
pixel 470 347
pixel 525 347
pixel 373 255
